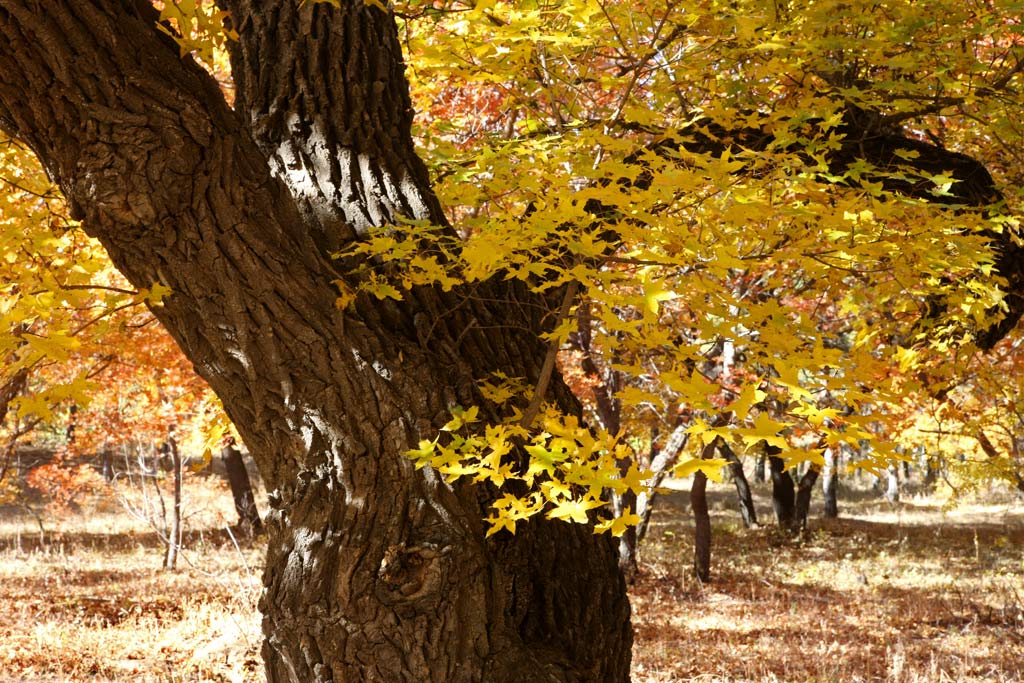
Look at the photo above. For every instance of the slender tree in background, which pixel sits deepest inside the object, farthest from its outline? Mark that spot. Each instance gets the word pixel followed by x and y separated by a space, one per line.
pixel 174 529
pixel 744 497
pixel 241 489
pixel 830 484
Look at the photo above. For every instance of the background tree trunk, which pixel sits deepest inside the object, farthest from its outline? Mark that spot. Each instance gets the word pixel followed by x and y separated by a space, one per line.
pixel 783 494
pixel 759 468
pixel 829 484
pixel 174 531
pixel 702 527
pixel 661 465
pixel 241 489
pixel 743 494
pixel 892 484
pixel 803 498
pixel 375 571
pixel 609 412
pixel 702 518
pixel 928 466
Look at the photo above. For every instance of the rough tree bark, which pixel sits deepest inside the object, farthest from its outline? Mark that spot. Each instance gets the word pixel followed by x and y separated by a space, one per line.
pixel 375 571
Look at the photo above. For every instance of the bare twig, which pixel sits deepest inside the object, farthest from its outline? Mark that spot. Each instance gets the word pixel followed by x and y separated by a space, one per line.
pixel 549 359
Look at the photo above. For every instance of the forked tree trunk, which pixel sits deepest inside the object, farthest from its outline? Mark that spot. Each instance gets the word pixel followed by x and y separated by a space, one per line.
pixel 803 498
pixel 783 494
pixel 375 571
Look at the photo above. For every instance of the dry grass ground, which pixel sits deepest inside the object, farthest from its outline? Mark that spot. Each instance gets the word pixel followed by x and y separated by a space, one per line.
pixel 905 593
pixel 91 603
pixel 901 594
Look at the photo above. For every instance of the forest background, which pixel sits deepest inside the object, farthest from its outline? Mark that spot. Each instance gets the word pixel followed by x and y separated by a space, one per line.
pixel 779 234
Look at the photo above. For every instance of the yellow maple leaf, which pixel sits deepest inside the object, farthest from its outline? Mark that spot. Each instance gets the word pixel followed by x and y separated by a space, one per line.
pixel 574 510
pixel 711 467
pixel 618 525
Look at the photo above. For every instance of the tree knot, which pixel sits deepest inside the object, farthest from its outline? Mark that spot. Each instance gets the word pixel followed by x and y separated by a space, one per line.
pixel 411 572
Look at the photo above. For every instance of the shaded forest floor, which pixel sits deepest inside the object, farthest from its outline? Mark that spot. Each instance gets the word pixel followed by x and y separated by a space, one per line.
pixel 904 593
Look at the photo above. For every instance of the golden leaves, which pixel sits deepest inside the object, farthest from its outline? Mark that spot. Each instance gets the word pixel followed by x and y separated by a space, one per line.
pixel 197 26
pixel 564 467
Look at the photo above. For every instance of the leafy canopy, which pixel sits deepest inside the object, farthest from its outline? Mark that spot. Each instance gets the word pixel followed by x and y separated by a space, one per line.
pixel 690 175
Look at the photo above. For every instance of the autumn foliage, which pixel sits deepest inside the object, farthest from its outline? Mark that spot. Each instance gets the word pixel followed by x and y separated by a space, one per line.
pixel 764 211
pixel 702 231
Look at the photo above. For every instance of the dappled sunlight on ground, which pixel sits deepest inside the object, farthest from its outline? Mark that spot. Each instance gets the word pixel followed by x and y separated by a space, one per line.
pixel 904 593
pixel 89 601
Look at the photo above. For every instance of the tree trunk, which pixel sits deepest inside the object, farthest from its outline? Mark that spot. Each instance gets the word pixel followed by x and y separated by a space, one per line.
pixel 661 464
pixel 107 458
pixel 803 498
pixel 759 469
pixel 743 495
pixel 892 486
pixel 241 490
pixel 607 383
pixel 829 485
pixel 701 516
pixel 931 472
pixel 375 571
pixel 174 528
pixel 701 519
pixel 702 527
pixel 783 495
pixel 928 467
pixel 625 503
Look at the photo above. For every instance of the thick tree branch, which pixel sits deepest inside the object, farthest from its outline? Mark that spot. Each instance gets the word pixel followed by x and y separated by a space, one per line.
pixel 149 155
pixel 323 92
pixel 863 139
